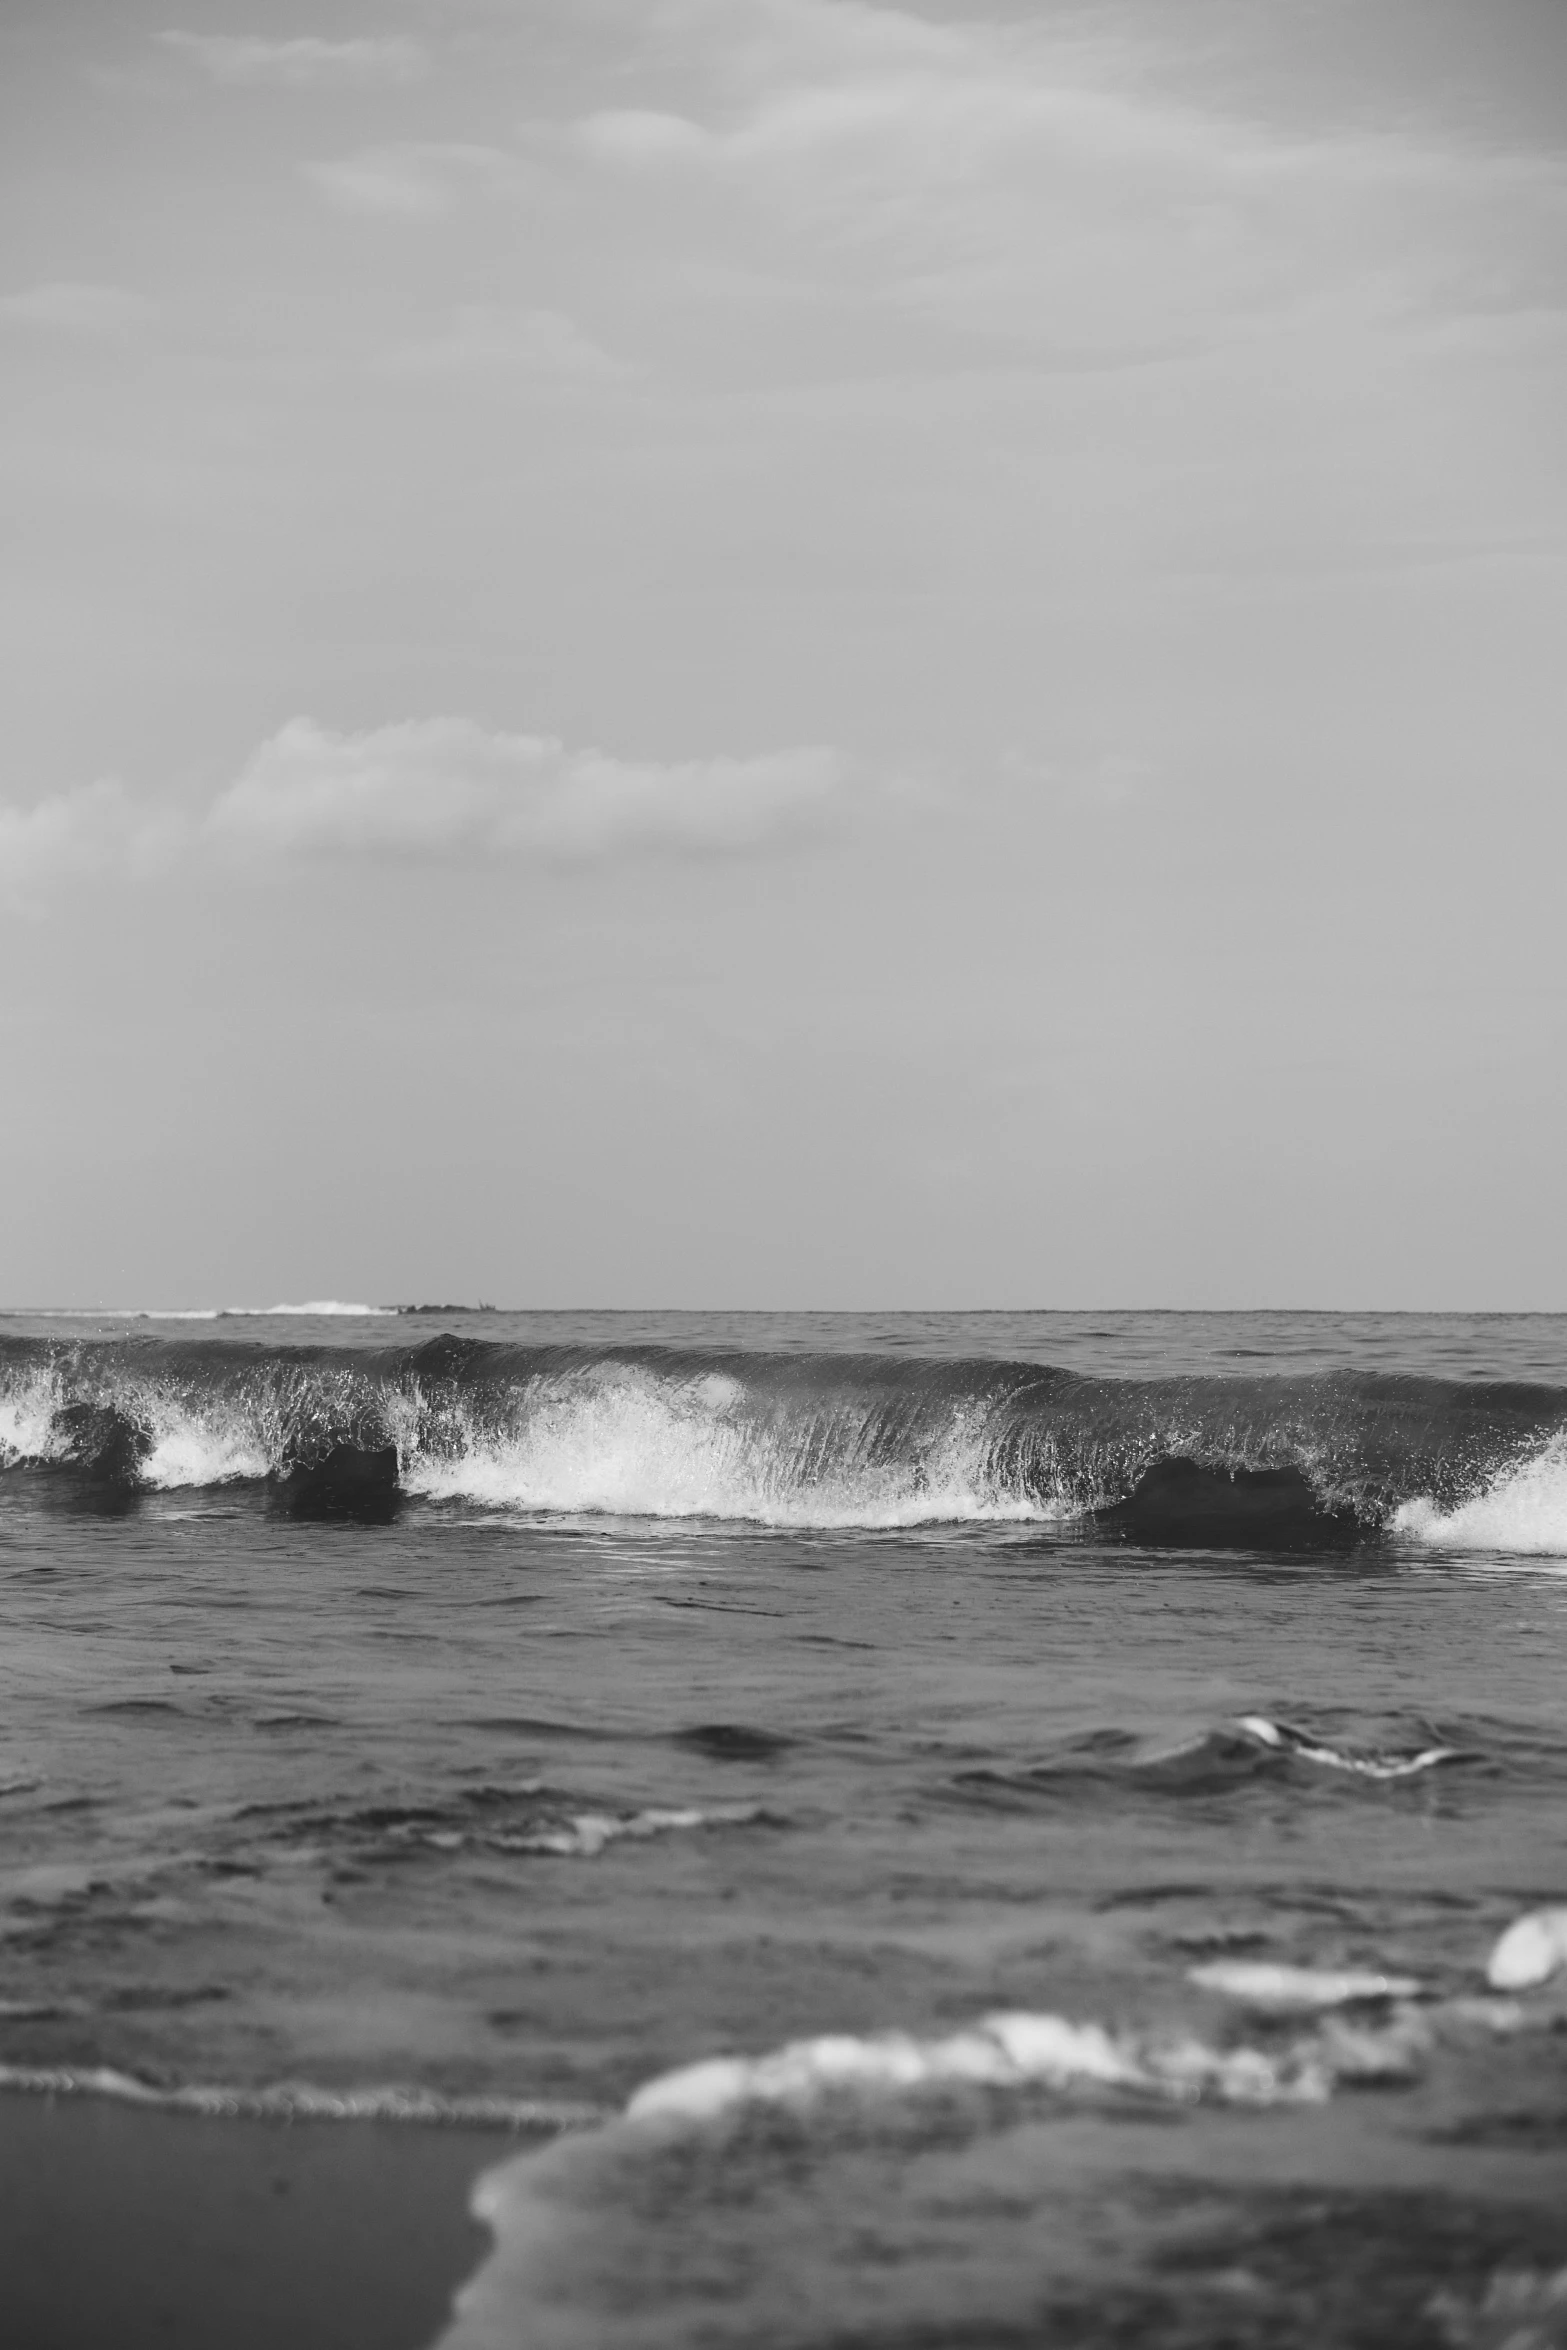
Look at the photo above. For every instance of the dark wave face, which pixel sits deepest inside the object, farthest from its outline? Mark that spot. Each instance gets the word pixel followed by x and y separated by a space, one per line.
pixel 1326 1459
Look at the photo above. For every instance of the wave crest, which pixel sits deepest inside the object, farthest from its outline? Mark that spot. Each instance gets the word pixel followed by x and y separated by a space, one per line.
pixel 1008 2051
pixel 824 1441
pixel 627 1439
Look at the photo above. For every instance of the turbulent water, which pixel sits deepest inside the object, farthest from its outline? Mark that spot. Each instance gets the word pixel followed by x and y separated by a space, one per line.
pixel 930 1829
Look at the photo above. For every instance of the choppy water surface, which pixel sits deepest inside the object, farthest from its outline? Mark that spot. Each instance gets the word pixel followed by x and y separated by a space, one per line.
pixel 935 1829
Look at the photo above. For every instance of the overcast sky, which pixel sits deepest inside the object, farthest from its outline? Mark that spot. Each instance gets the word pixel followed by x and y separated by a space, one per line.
pixel 783 652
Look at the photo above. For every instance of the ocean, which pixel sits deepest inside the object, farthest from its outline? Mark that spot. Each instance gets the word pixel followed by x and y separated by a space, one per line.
pixel 890 1830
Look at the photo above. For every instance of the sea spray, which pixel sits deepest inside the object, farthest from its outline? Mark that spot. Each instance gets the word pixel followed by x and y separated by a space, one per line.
pixel 813 1441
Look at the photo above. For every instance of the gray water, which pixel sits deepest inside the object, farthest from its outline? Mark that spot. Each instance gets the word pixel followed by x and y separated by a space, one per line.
pixel 685 1705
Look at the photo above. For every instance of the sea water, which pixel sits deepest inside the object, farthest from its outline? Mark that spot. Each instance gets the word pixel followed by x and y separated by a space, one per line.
pixel 922 1829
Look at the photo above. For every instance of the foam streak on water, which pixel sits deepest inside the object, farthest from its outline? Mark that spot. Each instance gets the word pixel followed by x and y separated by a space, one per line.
pixel 293 2101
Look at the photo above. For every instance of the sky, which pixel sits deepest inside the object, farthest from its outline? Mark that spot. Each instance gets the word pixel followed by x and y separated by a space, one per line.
pixel 784 652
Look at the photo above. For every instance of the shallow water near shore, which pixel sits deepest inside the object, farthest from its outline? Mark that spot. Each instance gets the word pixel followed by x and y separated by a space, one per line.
pixel 809 1693
pixel 146 2230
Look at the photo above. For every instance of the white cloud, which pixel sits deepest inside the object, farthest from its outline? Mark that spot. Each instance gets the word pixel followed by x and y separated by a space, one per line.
pixel 303 62
pixel 68 307
pixel 445 787
pixel 434 790
pixel 75 835
pixel 416 180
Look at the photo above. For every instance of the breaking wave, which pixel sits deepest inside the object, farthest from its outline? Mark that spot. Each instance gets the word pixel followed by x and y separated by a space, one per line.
pixel 1017 2051
pixel 1293 1462
pixel 1524 1509
pixel 799 2129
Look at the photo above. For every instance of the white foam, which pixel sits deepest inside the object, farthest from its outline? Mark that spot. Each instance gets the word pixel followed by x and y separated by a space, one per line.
pixel 587 1833
pixel 315 1305
pixel 1007 2051
pixel 202 1448
pixel 1374 2054
pixel 528 2202
pixel 27 1409
pixel 1295 1990
pixel 622 1440
pixel 1523 1510
pixel 1334 1758
pixel 299 2100
pixel 1533 1948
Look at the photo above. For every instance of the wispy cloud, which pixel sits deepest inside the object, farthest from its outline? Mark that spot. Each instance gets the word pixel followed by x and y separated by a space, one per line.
pixel 98 828
pixel 541 346
pixel 415 180
pixel 447 787
pixel 994 183
pixel 302 62
pixel 1000 178
pixel 67 307
pixel 431 790
pixel 1103 779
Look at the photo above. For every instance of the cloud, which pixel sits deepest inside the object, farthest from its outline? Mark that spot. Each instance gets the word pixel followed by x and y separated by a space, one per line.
pixel 445 787
pixel 416 180
pixel 434 790
pixel 483 338
pixel 76 835
pixel 67 307
pixel 999 178
pixel 302 62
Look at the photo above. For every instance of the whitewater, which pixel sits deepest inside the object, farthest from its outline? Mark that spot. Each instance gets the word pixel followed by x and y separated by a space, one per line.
pixel 797 1436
